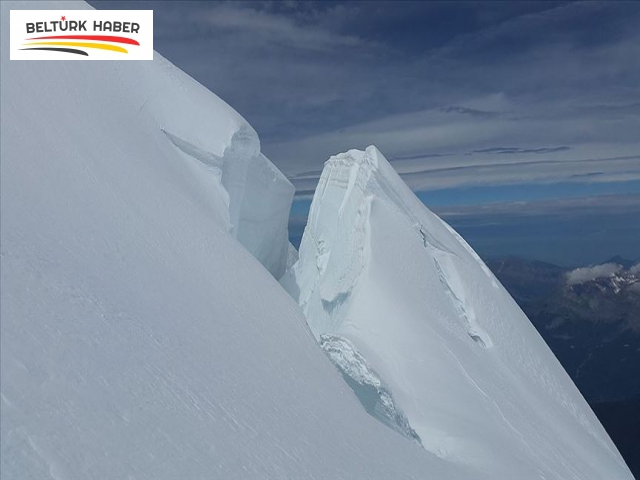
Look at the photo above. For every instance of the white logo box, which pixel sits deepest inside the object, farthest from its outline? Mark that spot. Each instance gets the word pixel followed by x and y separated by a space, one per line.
pixel 81 35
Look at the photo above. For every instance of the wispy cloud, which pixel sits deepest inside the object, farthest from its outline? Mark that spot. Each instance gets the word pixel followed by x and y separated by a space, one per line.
pixel 587 274
pixel 516 150
pixel 268 28
pixel 454 93
pixel 434 150
pixel 587 205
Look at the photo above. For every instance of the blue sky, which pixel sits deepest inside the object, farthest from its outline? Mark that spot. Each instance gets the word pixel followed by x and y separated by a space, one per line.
pixel 474 103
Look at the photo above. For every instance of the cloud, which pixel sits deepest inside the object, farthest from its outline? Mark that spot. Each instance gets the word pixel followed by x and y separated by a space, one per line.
pixel 467 111
pixel 267 27
pixel 432 149
pixel 454 93
pixel 635 269
pixel 593 206
pixel 557 97
pixel 587 274
pixel 515 150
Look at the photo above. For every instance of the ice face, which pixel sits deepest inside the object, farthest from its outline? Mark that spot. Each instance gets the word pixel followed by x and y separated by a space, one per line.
pixel 264 215
pixel 366 384
pixel 255 197
pixel 462 362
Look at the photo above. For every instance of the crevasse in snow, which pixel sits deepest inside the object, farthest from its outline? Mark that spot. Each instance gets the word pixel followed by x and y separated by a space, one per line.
pixel 257 195
pixel 462 362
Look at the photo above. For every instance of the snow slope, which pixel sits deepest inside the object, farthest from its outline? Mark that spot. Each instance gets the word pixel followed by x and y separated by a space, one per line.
pixel 462 362
pixel 139 338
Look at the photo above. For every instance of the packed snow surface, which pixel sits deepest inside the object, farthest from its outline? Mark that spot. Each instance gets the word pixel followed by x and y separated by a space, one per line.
pixel 462 362
pixel 139 336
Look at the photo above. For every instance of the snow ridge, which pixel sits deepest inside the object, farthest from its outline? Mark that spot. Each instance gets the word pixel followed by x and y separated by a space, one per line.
pixel 460 360
pixel 338 260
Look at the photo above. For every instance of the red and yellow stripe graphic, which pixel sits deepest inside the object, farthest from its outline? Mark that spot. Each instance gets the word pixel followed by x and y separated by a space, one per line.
pixel 62 43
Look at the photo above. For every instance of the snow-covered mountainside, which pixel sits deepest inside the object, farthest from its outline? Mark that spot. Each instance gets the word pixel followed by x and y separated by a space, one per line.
pixel 460 360
pixel 139 337
pixel 144 333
